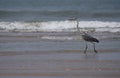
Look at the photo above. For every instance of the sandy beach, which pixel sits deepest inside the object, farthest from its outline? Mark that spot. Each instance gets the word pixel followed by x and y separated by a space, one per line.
pixel 30 55
pixel 42 38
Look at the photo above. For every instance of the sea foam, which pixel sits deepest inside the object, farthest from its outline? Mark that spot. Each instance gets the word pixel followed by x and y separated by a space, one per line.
pixel 60 26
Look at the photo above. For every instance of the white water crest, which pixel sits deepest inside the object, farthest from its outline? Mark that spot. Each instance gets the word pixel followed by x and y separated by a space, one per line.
pixel 60 26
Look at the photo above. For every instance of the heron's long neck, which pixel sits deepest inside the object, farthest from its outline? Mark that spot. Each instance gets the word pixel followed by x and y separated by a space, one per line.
pixel 78 26
pixel 78 29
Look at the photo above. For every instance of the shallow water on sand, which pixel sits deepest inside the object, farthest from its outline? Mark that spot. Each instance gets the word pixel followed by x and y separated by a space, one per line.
pixel 33 57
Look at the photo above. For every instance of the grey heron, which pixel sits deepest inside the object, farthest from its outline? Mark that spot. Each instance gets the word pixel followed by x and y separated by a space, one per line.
pixel 86 37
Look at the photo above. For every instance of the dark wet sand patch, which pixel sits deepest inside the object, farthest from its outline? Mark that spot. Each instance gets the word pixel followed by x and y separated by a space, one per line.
pixel 62 74
pixel 10 53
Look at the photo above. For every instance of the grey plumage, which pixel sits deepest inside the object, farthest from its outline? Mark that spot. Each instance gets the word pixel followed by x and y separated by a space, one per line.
pixel 86 37
pixel 89 38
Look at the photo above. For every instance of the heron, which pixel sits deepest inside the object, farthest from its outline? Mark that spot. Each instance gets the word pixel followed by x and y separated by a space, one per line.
pixel 86 37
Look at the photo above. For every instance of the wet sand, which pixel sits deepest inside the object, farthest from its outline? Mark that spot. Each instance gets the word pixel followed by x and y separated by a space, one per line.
pixel 29 55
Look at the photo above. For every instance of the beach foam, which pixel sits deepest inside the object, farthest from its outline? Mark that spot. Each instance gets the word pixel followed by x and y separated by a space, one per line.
pixel 60 26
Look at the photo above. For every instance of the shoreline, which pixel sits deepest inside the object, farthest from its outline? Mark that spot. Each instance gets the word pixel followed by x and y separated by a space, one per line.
pixel 100 35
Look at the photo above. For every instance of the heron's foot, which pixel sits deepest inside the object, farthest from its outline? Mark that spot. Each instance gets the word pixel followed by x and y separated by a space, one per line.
pixel 95 51
pixel 84 51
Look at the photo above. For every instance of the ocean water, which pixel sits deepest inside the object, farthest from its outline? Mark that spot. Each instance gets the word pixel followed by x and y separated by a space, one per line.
pixel 52 15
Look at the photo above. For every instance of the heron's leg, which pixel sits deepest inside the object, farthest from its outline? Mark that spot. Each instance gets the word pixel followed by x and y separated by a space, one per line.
pixel 85 47
pixel 94 48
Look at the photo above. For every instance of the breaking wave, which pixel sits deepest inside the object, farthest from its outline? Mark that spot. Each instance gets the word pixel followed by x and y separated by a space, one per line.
pixel 60 26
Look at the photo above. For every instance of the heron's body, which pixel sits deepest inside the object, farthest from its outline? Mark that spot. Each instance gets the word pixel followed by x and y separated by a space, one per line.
pixel 89 38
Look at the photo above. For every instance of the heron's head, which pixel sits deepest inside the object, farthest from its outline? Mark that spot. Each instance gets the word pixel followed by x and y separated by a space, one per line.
pixel 75 20
pixel 72 19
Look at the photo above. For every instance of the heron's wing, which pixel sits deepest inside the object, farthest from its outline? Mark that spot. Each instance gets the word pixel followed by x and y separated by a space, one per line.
pixel 89 38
